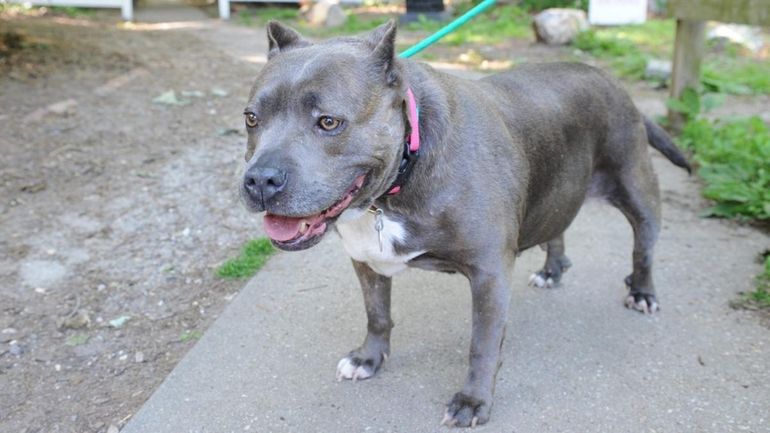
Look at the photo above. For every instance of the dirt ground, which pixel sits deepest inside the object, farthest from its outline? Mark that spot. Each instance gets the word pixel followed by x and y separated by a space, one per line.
pixel 112 207
pixel 115 211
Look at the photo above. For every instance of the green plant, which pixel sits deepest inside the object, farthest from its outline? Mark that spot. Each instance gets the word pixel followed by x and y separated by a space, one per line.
pixel 289 15
pixel 71 11
pixel 539 5
pixel 737 76
pixel 691 104
pixel 628 48
pixel 261 15
pixel 761 296
pixel 733 156
pixel 653 37
pixel 625 57
pixel 601 46
pixel 253 256
pixel 493 26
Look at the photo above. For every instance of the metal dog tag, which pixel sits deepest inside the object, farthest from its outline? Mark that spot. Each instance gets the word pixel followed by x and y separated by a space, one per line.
pixel 378 224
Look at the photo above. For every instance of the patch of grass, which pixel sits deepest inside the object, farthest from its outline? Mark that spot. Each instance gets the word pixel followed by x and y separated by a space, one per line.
pixel 761 296
pixel 71 11
pixel 628 48
pixel 654 37
pixel 539 5
pixel 737 76
pixel 355 24
pixel 493 26
pixel 733 157
pixel 189 335
pixel 261 15
pixel 289 15
pixel 253 256
pixel 77 340
pixel 623 54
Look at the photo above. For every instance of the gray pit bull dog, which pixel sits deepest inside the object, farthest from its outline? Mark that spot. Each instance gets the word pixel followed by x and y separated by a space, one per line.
pixel 503 164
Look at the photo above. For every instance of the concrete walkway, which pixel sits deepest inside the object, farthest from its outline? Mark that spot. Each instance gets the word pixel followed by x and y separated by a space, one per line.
pixel 575 360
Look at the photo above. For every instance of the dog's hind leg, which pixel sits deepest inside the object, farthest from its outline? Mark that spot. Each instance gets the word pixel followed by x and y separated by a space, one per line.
pixel 556 263
pixel 636 195
pixel 363 363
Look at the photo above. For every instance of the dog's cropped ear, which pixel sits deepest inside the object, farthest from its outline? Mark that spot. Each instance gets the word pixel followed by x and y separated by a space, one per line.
pixel 383 39
pixel 282 38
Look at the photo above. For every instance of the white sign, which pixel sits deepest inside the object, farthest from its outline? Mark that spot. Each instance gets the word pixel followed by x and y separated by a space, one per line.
pixel 615 12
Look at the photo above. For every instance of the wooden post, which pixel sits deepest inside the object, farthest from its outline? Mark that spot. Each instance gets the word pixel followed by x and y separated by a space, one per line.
pixel 688 53
pixel 127 10
pixel 224 9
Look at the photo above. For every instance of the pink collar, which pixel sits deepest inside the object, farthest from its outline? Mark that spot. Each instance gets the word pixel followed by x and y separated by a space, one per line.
pixel 414 121
pixel 411 145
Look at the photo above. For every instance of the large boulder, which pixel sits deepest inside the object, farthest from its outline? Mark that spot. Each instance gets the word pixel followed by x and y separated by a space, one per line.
pixel 748 37
pixel 327 13
pixel 559 26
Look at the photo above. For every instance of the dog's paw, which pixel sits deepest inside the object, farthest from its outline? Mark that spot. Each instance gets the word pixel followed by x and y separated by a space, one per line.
pixel 550 275
pixel 466 411
pixel 541 279
pixel 355 366
pixel 642 302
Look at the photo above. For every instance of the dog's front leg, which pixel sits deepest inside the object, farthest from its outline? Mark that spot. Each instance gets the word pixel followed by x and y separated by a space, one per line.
pixel 491 296
pixel 363 363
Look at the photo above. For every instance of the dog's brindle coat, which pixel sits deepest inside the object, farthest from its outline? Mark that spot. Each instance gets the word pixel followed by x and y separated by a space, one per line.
pixel 506 163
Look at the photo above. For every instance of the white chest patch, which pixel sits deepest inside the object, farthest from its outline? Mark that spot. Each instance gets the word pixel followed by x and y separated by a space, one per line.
pixel 361 241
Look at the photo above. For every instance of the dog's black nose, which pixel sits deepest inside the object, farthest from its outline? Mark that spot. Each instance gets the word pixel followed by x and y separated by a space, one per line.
pixel 263 183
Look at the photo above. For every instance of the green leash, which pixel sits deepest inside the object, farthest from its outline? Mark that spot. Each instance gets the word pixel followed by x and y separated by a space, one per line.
pixel 447 29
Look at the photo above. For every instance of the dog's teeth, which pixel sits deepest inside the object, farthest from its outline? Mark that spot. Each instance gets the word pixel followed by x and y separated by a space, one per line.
pixel 303 227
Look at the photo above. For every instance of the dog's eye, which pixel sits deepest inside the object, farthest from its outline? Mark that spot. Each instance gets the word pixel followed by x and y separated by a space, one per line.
pixel 328 123
pixel 251 120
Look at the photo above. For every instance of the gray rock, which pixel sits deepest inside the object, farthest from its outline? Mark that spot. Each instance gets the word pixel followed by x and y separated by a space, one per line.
pixel 81 319
pixel 658 69
pixel 749 37
pixel 42 273
pixel 16 349
pixel 559 26
pixel 63 108
pixel 327 13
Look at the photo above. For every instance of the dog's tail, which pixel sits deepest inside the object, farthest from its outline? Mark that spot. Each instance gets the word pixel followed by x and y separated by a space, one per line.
pixel 660 140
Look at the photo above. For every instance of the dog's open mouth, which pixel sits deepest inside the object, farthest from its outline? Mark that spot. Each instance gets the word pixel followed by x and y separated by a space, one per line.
pixel 296 233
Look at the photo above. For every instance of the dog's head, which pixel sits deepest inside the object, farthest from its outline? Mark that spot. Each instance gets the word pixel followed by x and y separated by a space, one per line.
pixel 325 126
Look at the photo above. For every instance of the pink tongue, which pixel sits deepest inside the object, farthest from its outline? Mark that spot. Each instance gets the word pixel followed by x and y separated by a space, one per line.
pixel 281 228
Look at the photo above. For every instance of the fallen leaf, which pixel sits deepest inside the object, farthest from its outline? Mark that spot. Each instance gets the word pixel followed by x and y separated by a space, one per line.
pixel 193 94
pixel 218 91
pixel 119 321
pixel 169 98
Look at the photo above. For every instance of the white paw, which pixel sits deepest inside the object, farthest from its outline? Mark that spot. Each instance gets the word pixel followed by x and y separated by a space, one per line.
pixel 346 369
pixel 642 305
pixel 538 281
